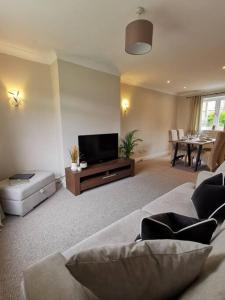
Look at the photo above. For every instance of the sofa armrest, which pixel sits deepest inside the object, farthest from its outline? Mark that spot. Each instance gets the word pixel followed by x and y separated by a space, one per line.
pixel 202 176
pixel 49 279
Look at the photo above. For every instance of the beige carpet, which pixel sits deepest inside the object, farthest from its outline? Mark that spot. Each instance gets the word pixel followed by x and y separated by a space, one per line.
pixel 63 220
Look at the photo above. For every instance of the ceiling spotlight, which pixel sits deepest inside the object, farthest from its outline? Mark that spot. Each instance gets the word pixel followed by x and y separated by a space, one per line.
pixel 168 81
pixel 185 87
pixel 223 67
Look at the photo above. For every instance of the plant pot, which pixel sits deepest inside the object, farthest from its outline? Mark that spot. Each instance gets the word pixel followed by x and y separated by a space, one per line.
pixel 73 167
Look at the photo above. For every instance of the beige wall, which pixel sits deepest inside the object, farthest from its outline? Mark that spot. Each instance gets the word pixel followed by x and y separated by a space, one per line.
pixel 184 110
pixel 61 101
pixel 28 134
pixel 64 100
pixel 151 112
pixel 90 103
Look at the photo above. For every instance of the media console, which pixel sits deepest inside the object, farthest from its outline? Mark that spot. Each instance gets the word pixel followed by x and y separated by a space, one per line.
pixel 98 174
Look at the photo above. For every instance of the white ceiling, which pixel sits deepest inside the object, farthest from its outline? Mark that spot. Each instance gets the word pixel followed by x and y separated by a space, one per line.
pixel 188 39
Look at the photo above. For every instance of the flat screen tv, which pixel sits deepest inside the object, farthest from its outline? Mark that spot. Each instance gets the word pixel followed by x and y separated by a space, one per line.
pixel 98 148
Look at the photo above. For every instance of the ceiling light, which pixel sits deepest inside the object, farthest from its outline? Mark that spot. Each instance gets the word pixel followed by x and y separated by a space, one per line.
pixel 139 33
pixel 223 67
pixel 168 81
pixel 185 87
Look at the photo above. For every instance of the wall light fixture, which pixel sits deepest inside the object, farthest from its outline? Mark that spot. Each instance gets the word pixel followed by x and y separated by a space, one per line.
pixel 125 105
pixel 14 98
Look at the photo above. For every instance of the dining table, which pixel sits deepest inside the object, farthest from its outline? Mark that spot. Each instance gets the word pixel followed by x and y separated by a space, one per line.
pixel 191 143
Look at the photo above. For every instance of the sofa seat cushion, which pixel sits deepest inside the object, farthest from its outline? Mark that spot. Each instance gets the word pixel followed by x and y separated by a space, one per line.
pixel 178 201
pixel 123 231
pixel 210 284
pixel 20 191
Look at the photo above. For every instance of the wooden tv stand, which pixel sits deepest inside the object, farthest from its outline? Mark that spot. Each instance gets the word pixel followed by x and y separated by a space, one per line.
pixel 98 174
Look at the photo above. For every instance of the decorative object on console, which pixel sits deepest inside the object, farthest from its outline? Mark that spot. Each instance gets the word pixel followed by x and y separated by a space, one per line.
pixel 129 143
pixel 178 227
pixel 83 164
pixel 15 100
pixel 139 35
pixel 209 198
pixel 145 270
pixel 74 157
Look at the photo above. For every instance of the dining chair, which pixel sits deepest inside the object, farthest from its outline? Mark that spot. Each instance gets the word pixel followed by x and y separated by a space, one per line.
pixel 217 156
pixel 214 158
pixel 173 137
pixel 180 133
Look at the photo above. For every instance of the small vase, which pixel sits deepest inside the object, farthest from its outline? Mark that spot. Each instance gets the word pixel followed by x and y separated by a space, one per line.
pixel 73 167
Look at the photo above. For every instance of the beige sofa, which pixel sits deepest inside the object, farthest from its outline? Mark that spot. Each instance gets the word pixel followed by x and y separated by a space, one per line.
pixel 50 280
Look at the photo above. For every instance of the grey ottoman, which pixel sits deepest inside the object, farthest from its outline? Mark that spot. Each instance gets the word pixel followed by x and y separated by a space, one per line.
pixel 18 198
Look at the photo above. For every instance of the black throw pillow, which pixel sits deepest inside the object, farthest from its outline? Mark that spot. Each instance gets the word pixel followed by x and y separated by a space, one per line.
pixel 174 226
pixel 209 198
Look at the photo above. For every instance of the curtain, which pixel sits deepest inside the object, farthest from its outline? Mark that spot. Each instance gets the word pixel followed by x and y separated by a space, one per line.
pixel 196 114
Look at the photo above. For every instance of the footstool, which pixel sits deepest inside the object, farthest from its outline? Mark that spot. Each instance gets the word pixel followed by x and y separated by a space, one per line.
pixel 18 198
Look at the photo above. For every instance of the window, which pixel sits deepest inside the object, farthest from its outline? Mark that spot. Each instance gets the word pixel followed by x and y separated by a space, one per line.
pixel 213 113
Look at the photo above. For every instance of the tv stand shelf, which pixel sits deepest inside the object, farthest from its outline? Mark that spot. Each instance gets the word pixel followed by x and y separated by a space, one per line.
pixel 98 174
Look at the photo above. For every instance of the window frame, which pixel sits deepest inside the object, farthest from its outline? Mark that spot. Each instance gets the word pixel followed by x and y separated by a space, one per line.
pixel 218 98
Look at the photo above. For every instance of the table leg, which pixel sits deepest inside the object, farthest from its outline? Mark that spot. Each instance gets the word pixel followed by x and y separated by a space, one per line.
pixel 198 157
pixel 189 154
pixel 175 155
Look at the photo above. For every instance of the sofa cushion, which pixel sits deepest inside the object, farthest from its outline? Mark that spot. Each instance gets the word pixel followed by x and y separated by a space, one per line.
pixel 210 284
pixel 122 231
pixel 202 176
pixel 178 201
pixel 145 270
pixel 178 227
pixel 206 174
pixel 209 198
pixel 49 279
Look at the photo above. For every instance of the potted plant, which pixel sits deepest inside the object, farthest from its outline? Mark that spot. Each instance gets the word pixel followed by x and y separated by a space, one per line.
pixel 129 143
pixel 74 157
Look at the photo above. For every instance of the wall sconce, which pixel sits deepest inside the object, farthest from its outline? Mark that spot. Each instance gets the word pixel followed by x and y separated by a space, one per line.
pixel 125 105
pixel 15 100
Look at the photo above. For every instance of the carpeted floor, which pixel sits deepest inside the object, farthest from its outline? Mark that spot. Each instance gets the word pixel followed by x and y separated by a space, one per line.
pixel 63 220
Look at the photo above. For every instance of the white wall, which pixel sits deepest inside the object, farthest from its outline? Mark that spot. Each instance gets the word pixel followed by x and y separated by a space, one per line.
pixel 28 134
pixel 153 114
pixel 90 103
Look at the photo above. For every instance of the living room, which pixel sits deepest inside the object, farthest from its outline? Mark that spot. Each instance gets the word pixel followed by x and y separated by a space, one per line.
pixel 67 72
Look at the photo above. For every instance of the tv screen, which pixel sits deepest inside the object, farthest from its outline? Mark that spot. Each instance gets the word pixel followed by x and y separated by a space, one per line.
pixel 98 148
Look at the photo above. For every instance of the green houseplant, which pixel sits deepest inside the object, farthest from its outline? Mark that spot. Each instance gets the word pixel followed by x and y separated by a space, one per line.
pixel 129 143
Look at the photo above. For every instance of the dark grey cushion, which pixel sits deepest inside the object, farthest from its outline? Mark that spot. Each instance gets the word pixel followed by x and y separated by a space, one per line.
pixel 178 227
pixel 209 198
